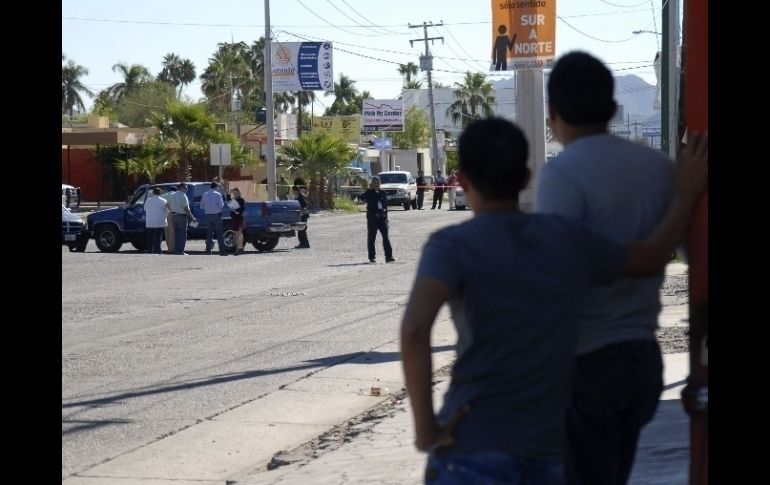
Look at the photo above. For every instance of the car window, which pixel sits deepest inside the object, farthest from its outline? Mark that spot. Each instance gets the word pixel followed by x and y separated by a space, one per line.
pixel 139 196
pixel 393 178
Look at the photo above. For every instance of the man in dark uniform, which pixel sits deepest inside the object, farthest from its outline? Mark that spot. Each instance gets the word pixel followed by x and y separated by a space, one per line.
pixel 304 214
pixel 420 189
pixel 377 219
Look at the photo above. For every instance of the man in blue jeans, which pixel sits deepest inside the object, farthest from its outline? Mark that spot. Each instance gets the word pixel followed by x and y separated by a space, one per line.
pixel 514 300
pixel 622 190
pixel 180 207
pixel 212 204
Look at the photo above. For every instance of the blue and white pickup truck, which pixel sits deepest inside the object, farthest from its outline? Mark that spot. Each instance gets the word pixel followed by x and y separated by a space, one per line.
pixel 264 222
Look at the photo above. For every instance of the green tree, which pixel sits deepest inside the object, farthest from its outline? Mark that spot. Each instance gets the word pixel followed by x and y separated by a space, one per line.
pixel 416 130
pixel 72 87
pixel 407 71
pixel 319 157
pixel 345 97
pixel 413 85
pixel 103 105
pixel 150 161
pixel 304 98
pixel 177 71
pixel 189 128
pixel 139 103
pixel 473 99
pixel 229 69
pixel 134 77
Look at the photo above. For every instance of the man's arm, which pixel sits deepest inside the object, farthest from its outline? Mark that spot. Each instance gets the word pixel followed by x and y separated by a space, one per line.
pixel 651 256
pixel 425 300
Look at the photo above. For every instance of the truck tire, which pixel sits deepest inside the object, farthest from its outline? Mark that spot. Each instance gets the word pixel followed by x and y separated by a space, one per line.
pixel 263 244
pixel 407 205
pixel 414 203
pixel 79 248
pixel 139 245
pixel 108 238
pixel 229 238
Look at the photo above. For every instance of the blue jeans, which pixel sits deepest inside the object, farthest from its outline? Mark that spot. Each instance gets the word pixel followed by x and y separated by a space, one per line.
pixel 180 233
pixel 491 467
pixel 214 223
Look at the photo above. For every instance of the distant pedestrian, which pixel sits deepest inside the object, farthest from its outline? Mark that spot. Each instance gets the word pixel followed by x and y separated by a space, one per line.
pixel 180 206
pixel 438 189
pixel 420 189
pixel 213 204
pixel 304 215
pixel 237 218
pixel 452 184
pixel 155 208
pixel 377 220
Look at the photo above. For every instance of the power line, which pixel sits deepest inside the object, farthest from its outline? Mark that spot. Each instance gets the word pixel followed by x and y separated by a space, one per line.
pixel 351 18
pixel 366 19
pixel 336 27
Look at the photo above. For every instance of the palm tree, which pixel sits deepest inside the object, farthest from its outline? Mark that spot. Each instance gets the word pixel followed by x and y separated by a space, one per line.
pixel 318 156
pixel 345 94
pixel 188 127
pixel 150 162
pixel 179 72
pixel 133 77
pixel 72 87
pixel 228 70
pixel 303 99
pixel 283 101
pixel 407 70
pixel 473 99
pixel 414 85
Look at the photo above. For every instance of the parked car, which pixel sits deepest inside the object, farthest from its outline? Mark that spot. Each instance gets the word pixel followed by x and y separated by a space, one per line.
pixel 74 231
pixel 400 187
pixel 70 196
pixel 460 202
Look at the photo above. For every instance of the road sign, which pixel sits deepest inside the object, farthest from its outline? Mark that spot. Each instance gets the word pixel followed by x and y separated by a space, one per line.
pixel 220 153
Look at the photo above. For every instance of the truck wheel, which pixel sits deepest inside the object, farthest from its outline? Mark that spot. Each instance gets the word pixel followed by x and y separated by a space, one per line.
pixel 140 246
pixel 229 238
pixel 108 238
pixel 414 203
pixel 407 205
pixel 263 244
pixel 79 249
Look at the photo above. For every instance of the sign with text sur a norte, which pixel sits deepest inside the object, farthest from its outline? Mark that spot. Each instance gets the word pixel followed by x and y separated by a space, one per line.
pixel 302 66
pixel 383 115
pixel 523 34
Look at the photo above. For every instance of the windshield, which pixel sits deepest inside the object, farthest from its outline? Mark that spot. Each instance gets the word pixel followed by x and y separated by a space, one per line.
pixel 393 178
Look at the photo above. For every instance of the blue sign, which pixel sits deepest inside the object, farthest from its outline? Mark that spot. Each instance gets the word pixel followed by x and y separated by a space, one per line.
pixel 302 66
pixel 383 143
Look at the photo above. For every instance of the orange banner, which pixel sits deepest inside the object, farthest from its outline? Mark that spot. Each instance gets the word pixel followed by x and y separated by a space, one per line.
pixel 523 34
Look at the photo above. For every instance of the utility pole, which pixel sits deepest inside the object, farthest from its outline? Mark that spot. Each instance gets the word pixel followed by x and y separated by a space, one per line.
pixel 426 64
pixel 270 106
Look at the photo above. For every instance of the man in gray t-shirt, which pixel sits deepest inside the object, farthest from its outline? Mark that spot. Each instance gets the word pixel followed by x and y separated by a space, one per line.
pixel 620 189
pixel 514 299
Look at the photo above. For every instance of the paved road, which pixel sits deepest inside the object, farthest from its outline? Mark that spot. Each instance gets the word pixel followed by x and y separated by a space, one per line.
pixel 152 345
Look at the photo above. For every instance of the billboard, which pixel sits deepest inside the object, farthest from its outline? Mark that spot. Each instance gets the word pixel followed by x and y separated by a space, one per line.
pixel 302 66
pixel 345 128
pixel 523 34
pixel 383 115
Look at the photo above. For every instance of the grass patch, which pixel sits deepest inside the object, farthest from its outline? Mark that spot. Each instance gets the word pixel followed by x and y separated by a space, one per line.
pixel 344 204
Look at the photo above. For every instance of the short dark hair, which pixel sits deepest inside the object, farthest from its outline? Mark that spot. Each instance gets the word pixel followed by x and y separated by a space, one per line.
pixel 580 89
pixel 493 156
pixel 182 186
pixel 214 185
pixel 156 190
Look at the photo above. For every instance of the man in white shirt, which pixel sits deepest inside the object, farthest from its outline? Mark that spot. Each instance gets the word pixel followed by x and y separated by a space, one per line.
pixel 155 219
pixel 212 204
pixel 180 206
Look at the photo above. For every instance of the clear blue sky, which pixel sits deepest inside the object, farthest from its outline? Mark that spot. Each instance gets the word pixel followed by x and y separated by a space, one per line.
pixel 100 33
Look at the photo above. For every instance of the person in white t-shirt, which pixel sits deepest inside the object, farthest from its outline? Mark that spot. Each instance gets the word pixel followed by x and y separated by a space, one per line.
pixel 155 221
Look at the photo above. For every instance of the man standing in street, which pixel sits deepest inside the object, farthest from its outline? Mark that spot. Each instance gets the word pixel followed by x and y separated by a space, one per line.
pixel 452 183
pixel 304 215
pixel 212 204
pixel 420 189
pixel 438 189
pixel 180 207
pixel 155 219
pixel 622 190
pixel 377 220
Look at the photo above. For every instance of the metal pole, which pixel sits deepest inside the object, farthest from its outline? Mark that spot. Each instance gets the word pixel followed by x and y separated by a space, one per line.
pixel 429 60
pixel 270 106
pixel 673 78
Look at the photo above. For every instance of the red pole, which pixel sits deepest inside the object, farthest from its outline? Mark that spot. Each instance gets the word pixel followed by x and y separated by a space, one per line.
pixel 695 395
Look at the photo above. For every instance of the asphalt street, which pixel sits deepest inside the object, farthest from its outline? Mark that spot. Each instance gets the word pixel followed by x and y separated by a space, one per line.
pixel 152 345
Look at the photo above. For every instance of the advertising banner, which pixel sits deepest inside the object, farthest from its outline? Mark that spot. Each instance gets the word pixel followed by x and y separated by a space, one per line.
pixel 302 66
pixel 523 34
pixel 345 128
pixel 383 115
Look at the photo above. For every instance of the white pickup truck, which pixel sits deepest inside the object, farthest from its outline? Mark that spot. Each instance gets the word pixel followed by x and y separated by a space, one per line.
pixel 400 187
